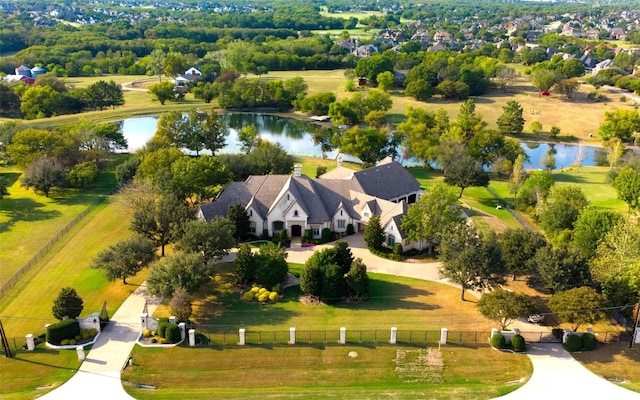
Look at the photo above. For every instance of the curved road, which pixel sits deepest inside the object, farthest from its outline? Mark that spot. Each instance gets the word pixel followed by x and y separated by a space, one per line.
pixel 555 373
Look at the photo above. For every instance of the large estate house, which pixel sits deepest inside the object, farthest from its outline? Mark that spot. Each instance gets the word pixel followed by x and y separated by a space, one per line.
pixel 335 200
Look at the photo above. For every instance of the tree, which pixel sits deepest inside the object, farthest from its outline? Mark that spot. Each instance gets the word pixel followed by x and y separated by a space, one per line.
pixel 40 102
pixel 334 285
pixel 163 91
pixel 518 174
pixel 202 130
pixel 505 76
pixel 245 264
pixel 505 307
pixel 373 233
pixel 371 67
pixel 126 258
pixel 181 304
pixel 549 160
pixel 248 136
pixel 421 132
pixel 3 188
pixel 198 179
pixel 155 63
pixel 211 239
pixel 270 158
pixel 104 94
pixel 178 270
pixel 627 184
pixel 544 79
pixel 466 172
pixel 386 80
pixel 616 263
pixel 562 209
pixel 470 259
pixel 175 64
pixel 519 247
pixel 419 89
pixel 83 174
pixel 317 104
pixel 9 101
pixel 272 265
pixel 578 306
pixel 43 174
pixel 237 214
pixel 27 145
pixel 567 87
pixel 155 167
pixel 161 219
pixel 534 190
pixel 67 305
pixel 312 275
pixel 621 124
pixel 561 268
pixel 434 214
pixel 511 121
pixel 368 144
pixel 126 171
pixel 591 227
pixel 357 278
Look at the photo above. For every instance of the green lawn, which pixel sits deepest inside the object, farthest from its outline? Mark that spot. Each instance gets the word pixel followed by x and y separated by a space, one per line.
pixel 325 372
pixel 28 220
pixel 592 181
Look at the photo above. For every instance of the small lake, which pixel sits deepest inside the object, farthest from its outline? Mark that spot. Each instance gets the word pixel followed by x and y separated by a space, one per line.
pixel 295 137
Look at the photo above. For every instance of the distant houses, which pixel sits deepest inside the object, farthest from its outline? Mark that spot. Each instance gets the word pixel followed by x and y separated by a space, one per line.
pixel 25 74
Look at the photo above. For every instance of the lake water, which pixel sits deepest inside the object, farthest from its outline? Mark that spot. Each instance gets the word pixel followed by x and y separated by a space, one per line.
pixel 294 137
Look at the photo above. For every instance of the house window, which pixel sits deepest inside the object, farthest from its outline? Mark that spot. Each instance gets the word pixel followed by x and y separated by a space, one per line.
pixel 340 212
pixel 251 213
pixel 391 240
pixel 295 213
pixel 342 223
pixel 315 231
pixel 287 196
pixel 252 227
pixel 366 214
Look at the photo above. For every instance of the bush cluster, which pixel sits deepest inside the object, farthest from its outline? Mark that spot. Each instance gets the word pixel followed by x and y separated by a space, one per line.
pixel 589 342
pixel 573 343
pixel 518 344
pixel 260 294
pixel 388 253
pixel 65 329
pixel 498 341
pixel 172 333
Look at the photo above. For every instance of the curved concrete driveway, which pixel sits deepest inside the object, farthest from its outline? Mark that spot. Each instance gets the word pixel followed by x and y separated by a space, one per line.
pixel 99 374
pixel 557 375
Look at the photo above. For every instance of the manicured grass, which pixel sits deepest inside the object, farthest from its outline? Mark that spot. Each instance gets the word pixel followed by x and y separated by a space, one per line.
pixel 41 368
pixel 395 301
pixel 310 372
pixel 28 221
pixel 615 361
pixel 27 306
pixel 592 181
pixel 310 165
pixel 483 210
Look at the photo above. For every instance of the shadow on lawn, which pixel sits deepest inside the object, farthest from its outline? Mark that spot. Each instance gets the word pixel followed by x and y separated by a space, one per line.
pixel 385 295
pixel 26 210
pixel 569 178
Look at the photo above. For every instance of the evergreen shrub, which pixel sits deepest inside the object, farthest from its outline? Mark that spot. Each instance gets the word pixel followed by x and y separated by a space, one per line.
pixel 574 343
pixel 498 341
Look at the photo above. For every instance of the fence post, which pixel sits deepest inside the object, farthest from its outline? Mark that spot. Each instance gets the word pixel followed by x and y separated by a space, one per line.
pixel 241 333
pixel 292 335
pixel 444 332
pixel 343 335
pixel 394 335
pixel 192 337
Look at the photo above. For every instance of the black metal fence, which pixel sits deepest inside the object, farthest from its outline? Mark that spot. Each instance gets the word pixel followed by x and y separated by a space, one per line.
pixel 25 268
pixel 417 338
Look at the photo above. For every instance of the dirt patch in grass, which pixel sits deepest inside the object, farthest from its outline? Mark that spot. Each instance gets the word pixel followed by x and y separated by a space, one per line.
pixel 419 366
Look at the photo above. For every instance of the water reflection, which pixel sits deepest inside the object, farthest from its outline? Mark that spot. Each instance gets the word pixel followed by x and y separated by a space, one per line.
pixel 295 136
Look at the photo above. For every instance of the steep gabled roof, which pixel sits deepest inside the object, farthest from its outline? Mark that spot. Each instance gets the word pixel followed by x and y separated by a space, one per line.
pixel 235 192
pixel 387 180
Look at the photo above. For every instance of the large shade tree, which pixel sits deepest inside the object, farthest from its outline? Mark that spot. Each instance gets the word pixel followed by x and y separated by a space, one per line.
pixel 126 258
pixel 505 307
pixel 471 259
pixel 211 239
pixel 180 270
pixel 432 216
pixel 578 306
pixel 519 247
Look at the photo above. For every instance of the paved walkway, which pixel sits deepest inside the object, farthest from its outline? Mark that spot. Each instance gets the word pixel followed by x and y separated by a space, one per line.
pixel 99 374
pixel 554 370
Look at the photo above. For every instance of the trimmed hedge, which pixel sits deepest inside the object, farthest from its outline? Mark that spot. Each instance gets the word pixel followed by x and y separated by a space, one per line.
pixel 574 343
pixel 557 333
pixel 498 341
pixel 518 344
pixel 172 333
pixel 162 326
pixel 589 342
pixel 65 329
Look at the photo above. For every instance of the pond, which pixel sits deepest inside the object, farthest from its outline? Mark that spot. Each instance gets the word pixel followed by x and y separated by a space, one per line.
pixel 295 137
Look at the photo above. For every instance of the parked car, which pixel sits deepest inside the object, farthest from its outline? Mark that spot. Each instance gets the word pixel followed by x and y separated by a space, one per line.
pixel 535 318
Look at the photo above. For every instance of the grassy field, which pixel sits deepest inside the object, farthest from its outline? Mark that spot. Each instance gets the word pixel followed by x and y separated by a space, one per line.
pixel 615 361
pixel 68 264
pixel 394 301
pixel 325 372
pixel 28 221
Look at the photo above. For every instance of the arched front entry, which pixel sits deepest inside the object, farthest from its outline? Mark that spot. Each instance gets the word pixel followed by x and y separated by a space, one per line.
pixel 296 231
